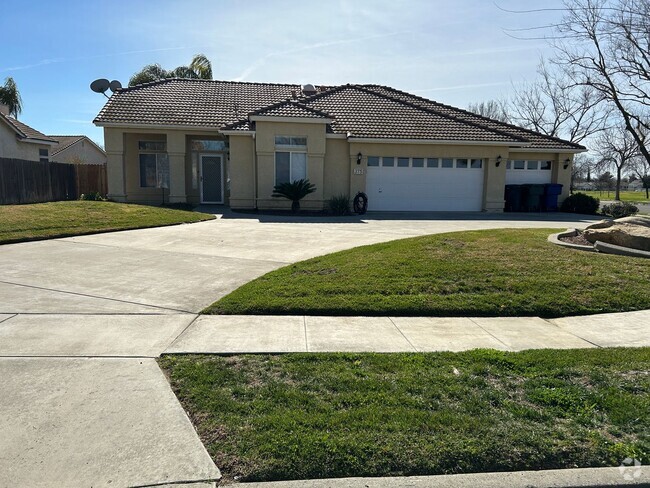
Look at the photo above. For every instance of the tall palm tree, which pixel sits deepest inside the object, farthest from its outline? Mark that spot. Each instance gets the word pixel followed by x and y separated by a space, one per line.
pixel 10 96
pixel 199 68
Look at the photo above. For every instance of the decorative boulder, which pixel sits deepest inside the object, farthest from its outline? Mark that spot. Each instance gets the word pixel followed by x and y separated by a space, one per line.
pixel 632 232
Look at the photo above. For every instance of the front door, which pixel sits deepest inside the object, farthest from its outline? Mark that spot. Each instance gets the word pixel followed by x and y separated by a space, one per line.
pixel 211 178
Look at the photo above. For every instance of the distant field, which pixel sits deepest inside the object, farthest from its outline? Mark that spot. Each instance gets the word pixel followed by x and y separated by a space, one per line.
pixel 626 196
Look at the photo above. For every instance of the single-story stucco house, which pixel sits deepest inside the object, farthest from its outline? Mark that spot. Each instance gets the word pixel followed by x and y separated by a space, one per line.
pixel 228 142
pixel 20 141
pixel 76 150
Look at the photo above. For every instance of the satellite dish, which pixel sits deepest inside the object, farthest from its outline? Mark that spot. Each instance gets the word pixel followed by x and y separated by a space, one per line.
pixel 100 85
pixel 115 85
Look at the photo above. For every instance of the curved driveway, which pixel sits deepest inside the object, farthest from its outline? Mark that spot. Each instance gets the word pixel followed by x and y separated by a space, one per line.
pixel 82 401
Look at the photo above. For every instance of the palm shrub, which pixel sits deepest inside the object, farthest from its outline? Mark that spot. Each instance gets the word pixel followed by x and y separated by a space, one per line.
pixel 294 191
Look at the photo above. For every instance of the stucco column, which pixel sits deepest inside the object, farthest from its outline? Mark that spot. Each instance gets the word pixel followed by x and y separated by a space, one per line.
pixel 494 184
pixel 115 173
pixel 561 175
pixel 176 154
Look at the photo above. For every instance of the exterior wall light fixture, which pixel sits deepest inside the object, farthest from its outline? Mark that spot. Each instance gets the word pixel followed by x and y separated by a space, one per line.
pixel 498 160
pixel 567 161
pixel 359 156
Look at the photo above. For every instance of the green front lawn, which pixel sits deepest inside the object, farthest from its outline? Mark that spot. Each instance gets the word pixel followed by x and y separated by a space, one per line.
pixel 512 272
pixel 299 416
pixel 61 219
pixel 626 196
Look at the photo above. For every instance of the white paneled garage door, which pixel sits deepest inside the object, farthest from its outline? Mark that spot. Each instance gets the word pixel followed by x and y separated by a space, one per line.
pixel 523 172
pixel 424 184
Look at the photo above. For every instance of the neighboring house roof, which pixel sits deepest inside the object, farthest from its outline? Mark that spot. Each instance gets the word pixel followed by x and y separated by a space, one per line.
pixel 361 111
pixel 24 132
pixel 64 142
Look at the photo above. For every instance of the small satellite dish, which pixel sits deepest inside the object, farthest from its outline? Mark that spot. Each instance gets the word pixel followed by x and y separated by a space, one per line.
pixel 100 85
pixel 115 85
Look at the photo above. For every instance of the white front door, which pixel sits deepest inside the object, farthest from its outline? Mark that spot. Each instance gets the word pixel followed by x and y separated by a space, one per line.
pixel 211 178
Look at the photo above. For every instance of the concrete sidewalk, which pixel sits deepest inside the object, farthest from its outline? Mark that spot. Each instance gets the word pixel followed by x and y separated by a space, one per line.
pixel 553 478
pixel 231 334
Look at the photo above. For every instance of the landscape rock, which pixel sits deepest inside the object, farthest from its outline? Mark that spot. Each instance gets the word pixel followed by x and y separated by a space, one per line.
pixel 635 220
pixel 632 232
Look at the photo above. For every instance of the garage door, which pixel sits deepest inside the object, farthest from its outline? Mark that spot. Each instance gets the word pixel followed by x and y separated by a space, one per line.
pixel 522 172
pixel 424 184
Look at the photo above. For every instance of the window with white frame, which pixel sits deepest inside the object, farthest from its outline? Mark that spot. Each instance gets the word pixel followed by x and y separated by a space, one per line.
pixel 154 164
pixel 529 165
pixel 404 162
pixel 290 159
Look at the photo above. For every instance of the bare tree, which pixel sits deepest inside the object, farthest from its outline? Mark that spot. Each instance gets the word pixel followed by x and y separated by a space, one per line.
pixel 492 109
pixel 581 169
pixel 604 45
pixel 616 149
pixel 641 169
pixel 555 106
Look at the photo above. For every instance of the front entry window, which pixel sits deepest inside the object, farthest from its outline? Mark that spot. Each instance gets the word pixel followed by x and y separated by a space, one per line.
pixel 290 166
pixel 154 164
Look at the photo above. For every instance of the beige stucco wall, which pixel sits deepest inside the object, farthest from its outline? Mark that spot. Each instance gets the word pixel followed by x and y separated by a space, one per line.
pixel 337 170
pixel 82 152
pixel 242 171
pixel 11 147
pixel 265 151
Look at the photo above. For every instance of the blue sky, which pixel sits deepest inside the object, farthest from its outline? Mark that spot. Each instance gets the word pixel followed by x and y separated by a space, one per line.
pixel 453 51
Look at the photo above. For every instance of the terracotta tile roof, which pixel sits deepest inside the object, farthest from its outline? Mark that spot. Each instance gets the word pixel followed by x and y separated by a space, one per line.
pixel 539 141
pixel 64 142
pixel 360 112
pixel 24 131
pixel 202 103
pixel 365 111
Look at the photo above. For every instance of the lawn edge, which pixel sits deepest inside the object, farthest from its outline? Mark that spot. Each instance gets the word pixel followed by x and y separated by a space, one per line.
pixel 93 232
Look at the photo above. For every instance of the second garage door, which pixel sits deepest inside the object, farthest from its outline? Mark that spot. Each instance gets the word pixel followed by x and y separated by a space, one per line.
pixel 424 184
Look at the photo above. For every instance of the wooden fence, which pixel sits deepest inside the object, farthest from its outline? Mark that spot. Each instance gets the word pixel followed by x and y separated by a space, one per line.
pixel 34 181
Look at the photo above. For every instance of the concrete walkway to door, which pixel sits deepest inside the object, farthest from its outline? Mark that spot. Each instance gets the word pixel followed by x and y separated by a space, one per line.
pixel 82 319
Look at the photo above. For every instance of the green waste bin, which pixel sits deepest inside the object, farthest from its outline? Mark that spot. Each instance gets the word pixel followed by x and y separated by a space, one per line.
pixel 532 196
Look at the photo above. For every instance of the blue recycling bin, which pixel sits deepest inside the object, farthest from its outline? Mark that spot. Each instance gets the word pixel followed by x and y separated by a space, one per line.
pixel 551 193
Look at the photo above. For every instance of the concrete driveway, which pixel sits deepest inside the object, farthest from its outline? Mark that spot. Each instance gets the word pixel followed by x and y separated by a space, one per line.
pixel 82 401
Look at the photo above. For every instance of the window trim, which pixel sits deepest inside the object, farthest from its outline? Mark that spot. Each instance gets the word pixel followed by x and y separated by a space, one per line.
pixel 275 165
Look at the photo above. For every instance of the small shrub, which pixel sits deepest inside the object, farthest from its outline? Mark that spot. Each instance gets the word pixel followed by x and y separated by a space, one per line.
pixel 92 196
pixel 620 209
pixel 294 191
pixel 580 203
pixel 339 205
